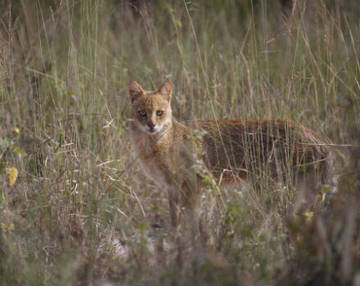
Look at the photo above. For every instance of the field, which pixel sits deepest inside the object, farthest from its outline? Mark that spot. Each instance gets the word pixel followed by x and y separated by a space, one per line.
pixel 75 208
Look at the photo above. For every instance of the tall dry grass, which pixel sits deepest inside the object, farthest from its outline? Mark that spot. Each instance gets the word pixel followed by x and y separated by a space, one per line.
pixel 81 212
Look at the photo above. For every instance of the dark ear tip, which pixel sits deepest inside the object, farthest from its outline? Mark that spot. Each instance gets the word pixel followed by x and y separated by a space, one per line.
pixel 133 83
pixel 167 84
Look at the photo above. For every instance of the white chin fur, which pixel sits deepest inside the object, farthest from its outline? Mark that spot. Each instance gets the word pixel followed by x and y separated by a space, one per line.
pixel 156 130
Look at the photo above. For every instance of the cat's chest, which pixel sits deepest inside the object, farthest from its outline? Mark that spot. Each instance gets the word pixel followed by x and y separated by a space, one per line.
pixel 154 159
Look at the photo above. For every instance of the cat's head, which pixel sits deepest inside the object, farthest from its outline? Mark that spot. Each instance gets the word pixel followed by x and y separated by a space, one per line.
pixel 151 111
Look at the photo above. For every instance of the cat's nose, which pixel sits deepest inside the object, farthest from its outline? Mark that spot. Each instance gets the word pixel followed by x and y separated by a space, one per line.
pixel 151 125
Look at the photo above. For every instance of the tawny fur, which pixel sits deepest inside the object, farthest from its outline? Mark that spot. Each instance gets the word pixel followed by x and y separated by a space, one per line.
pixel 164 147
pixel 229 148
pixel 260 147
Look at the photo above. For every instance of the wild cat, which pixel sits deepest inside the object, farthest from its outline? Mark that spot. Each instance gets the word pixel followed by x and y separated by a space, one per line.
pixel 163 146
pixel 230 149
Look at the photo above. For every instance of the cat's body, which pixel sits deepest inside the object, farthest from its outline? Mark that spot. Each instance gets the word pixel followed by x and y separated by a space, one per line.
pixel 164 147
pixel 230 148
pixel 258 148
pixel 157 155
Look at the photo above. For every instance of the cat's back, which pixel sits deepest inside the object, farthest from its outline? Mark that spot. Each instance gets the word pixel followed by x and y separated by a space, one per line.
pixel 240 130
pixel 250 144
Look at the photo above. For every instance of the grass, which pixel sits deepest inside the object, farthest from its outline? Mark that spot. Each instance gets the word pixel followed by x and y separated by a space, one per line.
pixel 82 213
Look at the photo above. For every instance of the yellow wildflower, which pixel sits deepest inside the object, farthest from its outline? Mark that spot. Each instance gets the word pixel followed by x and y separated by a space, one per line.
pixel 7 228
pixel 15 131
pixel 13 174
pixel 308 214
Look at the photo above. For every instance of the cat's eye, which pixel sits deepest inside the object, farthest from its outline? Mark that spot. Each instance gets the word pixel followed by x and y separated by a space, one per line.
pixel 159 113
pixel 142 113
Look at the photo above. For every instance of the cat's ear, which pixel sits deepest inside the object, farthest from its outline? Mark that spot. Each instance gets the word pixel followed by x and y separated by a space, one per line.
pixel 166 90
pixel 135 90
